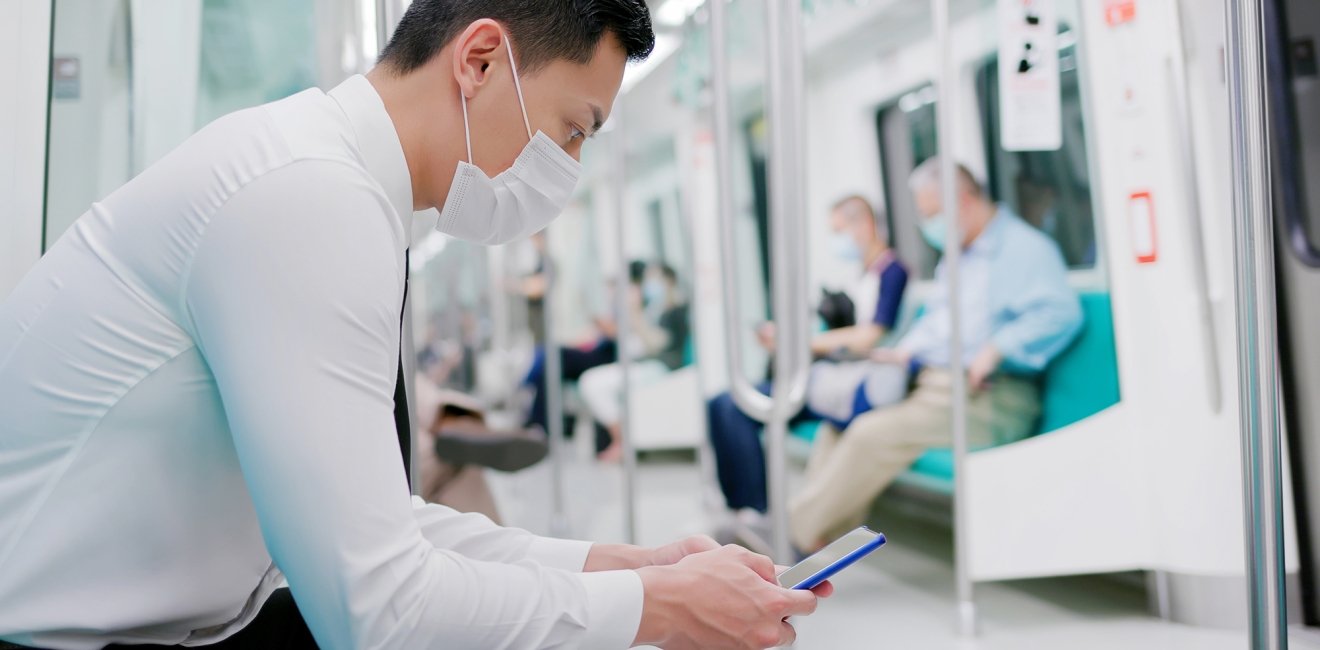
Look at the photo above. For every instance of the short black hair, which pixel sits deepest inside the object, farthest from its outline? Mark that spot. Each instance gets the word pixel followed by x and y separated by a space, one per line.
pixel 541 30
pixel 636 271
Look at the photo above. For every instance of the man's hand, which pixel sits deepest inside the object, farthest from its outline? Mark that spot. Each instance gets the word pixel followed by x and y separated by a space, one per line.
pixel 985 364
pixel 615 557
pixel 673 553
pixel 721 599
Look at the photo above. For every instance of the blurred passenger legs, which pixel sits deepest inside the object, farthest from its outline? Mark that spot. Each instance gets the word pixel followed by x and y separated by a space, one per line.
pixel 458 480
pixel 848 471
pixel 602 391
pixel 461 487
pixel 739 457
pixel 573 363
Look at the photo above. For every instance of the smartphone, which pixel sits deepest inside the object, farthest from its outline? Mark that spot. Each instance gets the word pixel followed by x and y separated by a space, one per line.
pixel 832 559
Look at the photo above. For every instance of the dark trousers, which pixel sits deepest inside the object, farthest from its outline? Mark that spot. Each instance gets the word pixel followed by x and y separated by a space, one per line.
pixel 739 456
pixel 572 365
pixel 278 626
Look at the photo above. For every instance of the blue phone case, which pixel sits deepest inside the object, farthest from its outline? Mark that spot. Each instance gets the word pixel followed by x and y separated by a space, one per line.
pixel 842 563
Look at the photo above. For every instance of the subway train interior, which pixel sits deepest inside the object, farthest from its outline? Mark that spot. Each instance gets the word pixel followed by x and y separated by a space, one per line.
pixel 1122 448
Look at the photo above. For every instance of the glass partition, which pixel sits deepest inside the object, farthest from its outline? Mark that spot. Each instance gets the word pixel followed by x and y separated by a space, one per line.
pixel 134 78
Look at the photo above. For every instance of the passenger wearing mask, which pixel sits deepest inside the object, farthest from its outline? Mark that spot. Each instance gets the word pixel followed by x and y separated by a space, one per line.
pixel 202 393
pixel 1018 313
pixel 575 361
pixel 735 436
pixel 660 326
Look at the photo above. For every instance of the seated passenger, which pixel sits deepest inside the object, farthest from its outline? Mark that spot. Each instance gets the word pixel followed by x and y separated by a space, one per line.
pixel 735 436
pixel 660 332
pixel 1018 313
pixel 575 361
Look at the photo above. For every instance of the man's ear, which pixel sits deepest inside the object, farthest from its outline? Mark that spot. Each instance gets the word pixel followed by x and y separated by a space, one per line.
pixel 475 50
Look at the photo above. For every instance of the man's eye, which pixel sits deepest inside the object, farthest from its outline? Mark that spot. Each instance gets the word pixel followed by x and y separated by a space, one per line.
pixel 575 133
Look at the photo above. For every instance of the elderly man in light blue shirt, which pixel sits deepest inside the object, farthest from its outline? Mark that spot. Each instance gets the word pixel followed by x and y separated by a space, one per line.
pixel 1018 313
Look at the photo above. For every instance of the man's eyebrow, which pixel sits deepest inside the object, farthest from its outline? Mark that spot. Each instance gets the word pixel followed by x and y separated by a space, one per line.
pixel 599 117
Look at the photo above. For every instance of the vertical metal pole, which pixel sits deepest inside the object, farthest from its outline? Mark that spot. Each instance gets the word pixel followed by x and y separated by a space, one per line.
pixel 554 402
pixel 1258 390
pixel 752 402
pixel 946 110
pixel 623 316
pixel 784 111
pixel 787 244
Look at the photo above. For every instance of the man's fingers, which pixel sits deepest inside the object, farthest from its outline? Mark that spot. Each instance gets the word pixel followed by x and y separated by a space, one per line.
pixel 824 589
pixel 799 602
pixel 700 544
pixel 762 565
pixel 787 635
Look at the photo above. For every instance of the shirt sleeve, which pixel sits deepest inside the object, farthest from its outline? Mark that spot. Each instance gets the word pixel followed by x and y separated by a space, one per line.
pixel 893 281
pixel 924 337
pixel 294 300
pixel 476 536
pixel 1045 313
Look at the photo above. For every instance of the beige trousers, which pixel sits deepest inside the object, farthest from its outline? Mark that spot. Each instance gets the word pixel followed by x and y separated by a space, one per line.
pixel 848 471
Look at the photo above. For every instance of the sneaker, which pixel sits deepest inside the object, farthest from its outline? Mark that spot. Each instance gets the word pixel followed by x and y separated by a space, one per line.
pixel 726 529
pixel 752 530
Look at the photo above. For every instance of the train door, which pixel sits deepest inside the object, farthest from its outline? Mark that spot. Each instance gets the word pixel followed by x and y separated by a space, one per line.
pixel 1294 27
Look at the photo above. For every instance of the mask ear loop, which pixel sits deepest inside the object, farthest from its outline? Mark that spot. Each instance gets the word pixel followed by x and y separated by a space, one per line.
pixel 467 131
pixel 513 65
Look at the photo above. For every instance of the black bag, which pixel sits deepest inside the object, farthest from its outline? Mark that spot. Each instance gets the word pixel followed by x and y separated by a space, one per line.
pixel 837 310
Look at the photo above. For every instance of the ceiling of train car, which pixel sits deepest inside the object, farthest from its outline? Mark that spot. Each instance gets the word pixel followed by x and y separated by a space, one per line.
pixel 846 31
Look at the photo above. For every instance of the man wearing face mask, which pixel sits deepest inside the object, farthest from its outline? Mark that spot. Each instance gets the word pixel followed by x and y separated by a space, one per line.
pixel 201 389
pixel 1018 313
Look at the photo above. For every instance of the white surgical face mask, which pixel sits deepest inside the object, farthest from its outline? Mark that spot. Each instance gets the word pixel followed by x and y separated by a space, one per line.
pixel 845 247
pixel 518 202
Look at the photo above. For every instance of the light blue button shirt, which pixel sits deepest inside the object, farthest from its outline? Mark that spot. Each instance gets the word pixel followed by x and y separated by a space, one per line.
pixel 1014 293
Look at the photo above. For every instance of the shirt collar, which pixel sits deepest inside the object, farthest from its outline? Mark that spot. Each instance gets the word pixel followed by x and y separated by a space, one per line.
pixel 992 237
pixel 378 144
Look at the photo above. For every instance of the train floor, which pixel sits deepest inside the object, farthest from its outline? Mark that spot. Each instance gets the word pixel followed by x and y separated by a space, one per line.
pixel 900 597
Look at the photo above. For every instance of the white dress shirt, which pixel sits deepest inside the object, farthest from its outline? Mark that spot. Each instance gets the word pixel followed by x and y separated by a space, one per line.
pixel 196 402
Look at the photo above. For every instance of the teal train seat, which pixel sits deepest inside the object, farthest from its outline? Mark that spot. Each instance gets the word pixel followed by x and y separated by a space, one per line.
pixel 1080 382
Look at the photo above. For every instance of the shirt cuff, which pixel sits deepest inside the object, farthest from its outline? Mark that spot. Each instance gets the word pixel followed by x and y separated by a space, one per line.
pixel 562 554
pixel 614 609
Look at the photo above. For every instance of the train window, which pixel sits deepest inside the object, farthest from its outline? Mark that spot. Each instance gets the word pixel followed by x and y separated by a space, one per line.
pixel 1050 189
pixel 136 83
pixel 907 130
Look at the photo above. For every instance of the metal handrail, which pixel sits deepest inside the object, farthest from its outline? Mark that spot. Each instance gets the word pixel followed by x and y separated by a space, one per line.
pixel 748 399
pixel 784 115
pixel 784 83
pixel 1257 322
pixel 945 112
